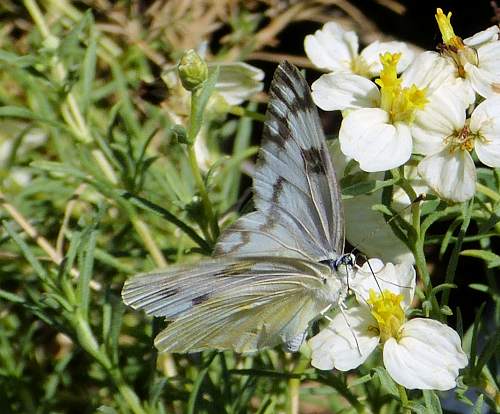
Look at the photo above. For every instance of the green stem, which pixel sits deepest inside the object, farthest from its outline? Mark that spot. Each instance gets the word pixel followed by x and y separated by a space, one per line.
pixel 294 386
pixel 202 189
pixel 404 399
pixel 145 234
pixel 453 262
pixel 129 396
pixel 37 16
pixel 88 342
pixel 207 205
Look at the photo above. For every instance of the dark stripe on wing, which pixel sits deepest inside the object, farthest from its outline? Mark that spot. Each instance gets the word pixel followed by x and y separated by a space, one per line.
pixel 314 160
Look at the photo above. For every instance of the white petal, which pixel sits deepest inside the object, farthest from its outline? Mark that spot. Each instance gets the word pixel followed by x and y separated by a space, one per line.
pixel 485 36
pixel 429 70
pixel 428 355
pixel 371 55
pixel 442 116
pixel 485 120
pixel 336 346
pixel 339 91
pixel 399 279
pixel 366 136
pixel 451 175
pixel 332 48
pixel 485 83
pixel 238 81
pixel 489 57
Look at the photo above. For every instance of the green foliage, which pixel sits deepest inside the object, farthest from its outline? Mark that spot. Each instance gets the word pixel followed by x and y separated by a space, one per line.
pixel 116 188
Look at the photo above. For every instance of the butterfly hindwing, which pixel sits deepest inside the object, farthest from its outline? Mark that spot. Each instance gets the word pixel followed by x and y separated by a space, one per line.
pixel 294 183
pixel 243 304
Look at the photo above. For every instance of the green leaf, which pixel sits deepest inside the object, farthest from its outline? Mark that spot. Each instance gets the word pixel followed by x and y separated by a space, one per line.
pixel 365 187
pixel 451 269
pixel 199 100
pixel 492 260
pixel 480 287
pixel 360 380
pixel 26 251
pixel 88 67
pixel 478 406
pixel 195 392
pixel 417 408
pixel 148 205
pixel 24 113
pixel 11 297
pixel 475 337
pixel 86 264
pixel 59 168
pixel 432 402
pixel 17 60
pixel 492 346
pixel 448 236
pixel 386 381
pixel 70 44
pixel 443 286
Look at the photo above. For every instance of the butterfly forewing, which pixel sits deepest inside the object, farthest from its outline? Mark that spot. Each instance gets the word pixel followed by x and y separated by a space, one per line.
pixel 297 197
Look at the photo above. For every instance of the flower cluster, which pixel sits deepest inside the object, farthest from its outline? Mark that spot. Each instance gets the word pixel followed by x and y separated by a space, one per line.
pixel 440 105
pixel 431 114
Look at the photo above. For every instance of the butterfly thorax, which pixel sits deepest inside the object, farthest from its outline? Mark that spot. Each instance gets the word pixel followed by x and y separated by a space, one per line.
pixel 335 287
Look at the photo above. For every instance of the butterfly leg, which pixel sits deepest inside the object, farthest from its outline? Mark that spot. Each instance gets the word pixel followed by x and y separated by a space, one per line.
pixel 342 308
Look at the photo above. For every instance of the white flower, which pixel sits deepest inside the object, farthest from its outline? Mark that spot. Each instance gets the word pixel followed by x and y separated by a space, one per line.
pixel 410 358
pixel 430 71
pixel 477 58
pixel 334 49
pixel 442 133
pixel 378 136
pixel 376 129
pixel 238 81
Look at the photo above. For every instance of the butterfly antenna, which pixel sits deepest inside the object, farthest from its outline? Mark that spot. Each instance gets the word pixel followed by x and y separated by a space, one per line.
pixel 419 198
pixel 377 278
pixel 374 277
pixel 347 276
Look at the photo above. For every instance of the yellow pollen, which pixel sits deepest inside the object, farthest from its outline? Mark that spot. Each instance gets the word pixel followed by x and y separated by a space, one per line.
pixel 450 39
pixel 400 103
pixel 463 140
pixel 387 311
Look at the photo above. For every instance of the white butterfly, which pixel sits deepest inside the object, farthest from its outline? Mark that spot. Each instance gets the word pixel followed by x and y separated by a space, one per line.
pixel 274 270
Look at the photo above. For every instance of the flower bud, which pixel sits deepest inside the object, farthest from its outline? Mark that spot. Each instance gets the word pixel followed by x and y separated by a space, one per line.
pixel 193 70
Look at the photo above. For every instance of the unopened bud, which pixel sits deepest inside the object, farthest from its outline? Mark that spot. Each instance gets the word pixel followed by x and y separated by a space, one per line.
pixel 193 70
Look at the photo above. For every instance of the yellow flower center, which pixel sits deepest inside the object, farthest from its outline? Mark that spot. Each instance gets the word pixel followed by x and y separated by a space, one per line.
pixel 450 39
pixel 400 103
pixel 463 139
pixel 453 45
pixel 387 311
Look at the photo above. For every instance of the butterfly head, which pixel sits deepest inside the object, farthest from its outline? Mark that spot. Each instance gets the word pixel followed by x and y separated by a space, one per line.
pixel 347 260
